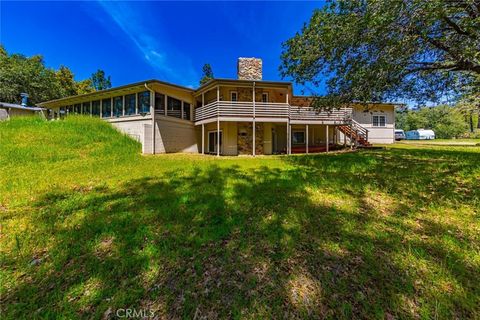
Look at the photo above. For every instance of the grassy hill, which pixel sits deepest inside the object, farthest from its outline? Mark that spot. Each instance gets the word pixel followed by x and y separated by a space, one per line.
pixel 89 226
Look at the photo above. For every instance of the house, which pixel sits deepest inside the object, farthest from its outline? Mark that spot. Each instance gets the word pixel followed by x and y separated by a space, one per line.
pixel 230 117
pixel 9 110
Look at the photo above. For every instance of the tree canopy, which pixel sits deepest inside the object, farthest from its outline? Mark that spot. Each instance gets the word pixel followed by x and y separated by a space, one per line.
pixel 100 81
pixel 19 73
pixel 207 73
pixel 377 50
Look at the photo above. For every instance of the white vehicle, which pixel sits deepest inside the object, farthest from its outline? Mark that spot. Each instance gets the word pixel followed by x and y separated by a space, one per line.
pixel 420 134
pixel 399 134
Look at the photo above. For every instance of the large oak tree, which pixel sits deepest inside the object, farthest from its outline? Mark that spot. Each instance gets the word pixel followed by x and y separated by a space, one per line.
pixel 373 50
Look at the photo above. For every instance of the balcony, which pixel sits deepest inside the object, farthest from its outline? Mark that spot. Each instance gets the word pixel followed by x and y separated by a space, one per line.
pixel 268 112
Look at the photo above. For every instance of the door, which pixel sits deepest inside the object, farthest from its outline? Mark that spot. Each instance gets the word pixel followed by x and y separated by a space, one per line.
pixel 212 141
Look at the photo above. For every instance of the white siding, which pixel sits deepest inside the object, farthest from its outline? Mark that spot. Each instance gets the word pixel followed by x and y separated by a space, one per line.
pixel 377 134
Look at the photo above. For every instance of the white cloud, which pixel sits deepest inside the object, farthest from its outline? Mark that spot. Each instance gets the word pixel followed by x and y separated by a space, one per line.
pixel 166 60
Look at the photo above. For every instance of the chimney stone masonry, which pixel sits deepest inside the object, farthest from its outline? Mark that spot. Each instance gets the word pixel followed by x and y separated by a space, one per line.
pixel 249 69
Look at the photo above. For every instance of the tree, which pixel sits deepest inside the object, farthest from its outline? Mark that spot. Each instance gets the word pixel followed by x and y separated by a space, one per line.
pixel 66 80
pixel 373 50
pixel 100 81
pixel 84 86
pixel 29 74
pixel 446 121
pixel 26 74
pixel 207 74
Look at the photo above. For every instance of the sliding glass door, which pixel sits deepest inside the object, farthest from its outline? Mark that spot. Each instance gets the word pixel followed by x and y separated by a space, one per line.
pixel 212 141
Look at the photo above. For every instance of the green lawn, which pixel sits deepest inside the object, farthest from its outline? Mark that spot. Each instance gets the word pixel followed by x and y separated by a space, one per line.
pixel 89 225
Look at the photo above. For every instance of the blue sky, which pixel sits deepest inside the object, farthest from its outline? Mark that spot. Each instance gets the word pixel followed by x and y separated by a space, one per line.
pixel 135 41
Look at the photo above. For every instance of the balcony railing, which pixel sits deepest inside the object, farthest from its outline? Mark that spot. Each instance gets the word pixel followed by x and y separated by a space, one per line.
pixel 241 109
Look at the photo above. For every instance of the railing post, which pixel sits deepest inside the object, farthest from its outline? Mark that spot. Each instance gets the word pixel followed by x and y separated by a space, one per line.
pixel 218 121
pixel 203 138
pixel 253 95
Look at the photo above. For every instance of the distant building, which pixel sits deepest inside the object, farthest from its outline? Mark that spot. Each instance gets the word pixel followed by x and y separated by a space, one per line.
pixel 9 110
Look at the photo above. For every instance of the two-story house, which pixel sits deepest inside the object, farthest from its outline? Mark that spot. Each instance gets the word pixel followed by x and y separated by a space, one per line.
pixel 230 117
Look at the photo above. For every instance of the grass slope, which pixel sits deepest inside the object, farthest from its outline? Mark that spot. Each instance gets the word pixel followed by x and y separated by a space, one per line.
pixel 90 226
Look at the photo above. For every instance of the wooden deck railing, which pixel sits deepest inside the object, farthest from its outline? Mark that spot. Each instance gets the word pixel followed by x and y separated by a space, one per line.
pixel 240 109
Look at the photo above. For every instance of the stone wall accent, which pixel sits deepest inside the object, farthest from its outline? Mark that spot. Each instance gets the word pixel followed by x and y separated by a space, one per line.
pixel 249 69
pixel 245 138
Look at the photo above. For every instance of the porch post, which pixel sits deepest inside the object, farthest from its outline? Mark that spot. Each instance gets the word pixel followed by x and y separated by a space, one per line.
pixel 306 127
pixel 218 122
pixel 289 140
pixel 326 134
pixel 203 138
pixel 165 99
pixel 218 137
pixel 253 96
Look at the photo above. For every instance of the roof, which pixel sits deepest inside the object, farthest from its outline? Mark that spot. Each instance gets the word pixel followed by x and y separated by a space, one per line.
pixel 106 91
pixel 19 106
pixel 212 82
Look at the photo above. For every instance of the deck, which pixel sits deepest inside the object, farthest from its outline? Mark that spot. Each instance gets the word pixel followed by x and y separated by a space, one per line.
pixel 268 112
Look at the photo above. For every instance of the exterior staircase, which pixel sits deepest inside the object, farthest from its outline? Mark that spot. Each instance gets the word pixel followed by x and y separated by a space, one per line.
pixel 357 133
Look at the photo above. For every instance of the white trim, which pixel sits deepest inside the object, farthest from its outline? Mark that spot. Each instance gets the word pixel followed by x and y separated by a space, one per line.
pixel 379 115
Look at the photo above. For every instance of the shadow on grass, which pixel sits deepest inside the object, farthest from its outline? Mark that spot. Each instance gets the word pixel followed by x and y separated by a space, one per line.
pixel 225 242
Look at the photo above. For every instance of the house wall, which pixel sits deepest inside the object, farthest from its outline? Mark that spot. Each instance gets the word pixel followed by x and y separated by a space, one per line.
pixel 245 94
pixel 229 133
pixel 175 135
pixel 20 113
pixel 377 134
pixel 133 126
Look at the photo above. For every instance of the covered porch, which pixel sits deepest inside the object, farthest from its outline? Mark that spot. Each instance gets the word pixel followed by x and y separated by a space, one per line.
pixel 265 138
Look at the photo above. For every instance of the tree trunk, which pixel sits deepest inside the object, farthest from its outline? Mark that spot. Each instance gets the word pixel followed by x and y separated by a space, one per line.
pixel 478 118
pixel 470 121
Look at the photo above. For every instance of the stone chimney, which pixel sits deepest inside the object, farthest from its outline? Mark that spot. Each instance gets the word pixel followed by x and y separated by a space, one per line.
pixel 249 69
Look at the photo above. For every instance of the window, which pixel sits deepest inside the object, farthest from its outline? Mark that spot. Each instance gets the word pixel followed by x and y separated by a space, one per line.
pixel 379 120
pixel 130 104
pixel 265 97
pixel 186 111
pixel 106 108
pixel 118 106
pixel 144 102
pixel 96 108
pixel 69 109
pixel 233 96
pixel 77 109
pixel 160 102
pixel 298 137
pixel 174 107
pixel 86 108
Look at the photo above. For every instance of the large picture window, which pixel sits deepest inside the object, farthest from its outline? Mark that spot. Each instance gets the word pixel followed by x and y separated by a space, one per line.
pixel 186 111
pixel 174 107
pixel 129 104
pixel 160 102
pixel 379 120
pixel 144 102
pixel 298 137
pixel 118 106
pixel 86 108
pixel 106 108
pixel 96 108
